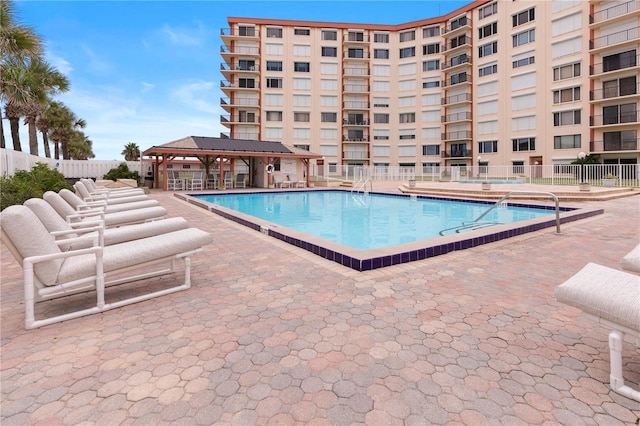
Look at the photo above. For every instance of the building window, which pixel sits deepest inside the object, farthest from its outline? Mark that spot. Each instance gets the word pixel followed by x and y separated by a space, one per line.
pixel 247 83
pixel 381 38
pixel 408 117
pixel 274 83
pixel 488 70
pixel 407 52
pixel 564 72
pixel 380 118
pixel 524 37
pixel 615 114
pixel 301 117
pixel 381 53
pixel 329 117
pixel 274 115
pixel 488 10
pixel 459 78
pixel 488 30
pixel 487 146
pixel 566 95
pixel 459 22
pixel 431 49
pixel 524 17
pixel 619 87
pixel 355 53
pixel 524 62
pixel 430 32
pixel 488 49
pixel 566 142
pixel 329 35
pixel 626 140
pixel 274 32
pixel 432 65
pixel 246 31
pixel 301 67
pixel 517 167
pixel 430 149
pixel 330 51
pixel 355 36
pixel 302 31
pixel 274 65
pixel 408 35
pixel 428 84
pixel 524 144
pixel 408 136
pixel 459 41
pixel 619 61
pixel 566 118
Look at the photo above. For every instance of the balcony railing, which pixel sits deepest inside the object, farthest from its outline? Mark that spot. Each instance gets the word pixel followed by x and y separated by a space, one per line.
pixel 456 79
pixel 456 43
pixel 240 32
pixel 459 116
pixel 456 153
pixel 355 155
pixel 356 55
pixel 224 84
pixel 465 23
pixel 361 122
pixel 454 62
pixel 619 145
pixel 362 138
pixel 604 67
pixel 615 38
pixel 613 92
pixel 359 88
pixel 614 11
pixel 246 136
pixel 356 38
pixel 620 118
pixel 237 118
pixel 240 102
pixel 462 97
pixel 355 71
pixel 356 104
pixel 239 67
pixel 460 134
pixel 245 50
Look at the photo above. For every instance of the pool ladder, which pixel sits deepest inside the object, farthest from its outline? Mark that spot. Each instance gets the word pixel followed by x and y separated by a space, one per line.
pixel 501 203
pixel 361 186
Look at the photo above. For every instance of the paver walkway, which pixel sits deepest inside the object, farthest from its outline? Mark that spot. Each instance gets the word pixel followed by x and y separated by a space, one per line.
pixel 270 334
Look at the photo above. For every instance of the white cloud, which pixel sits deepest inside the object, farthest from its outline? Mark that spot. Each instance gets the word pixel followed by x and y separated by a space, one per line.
pixel 61 64
pixel 147 87
pixel 198 95
pixel 181 37
pixel 95 62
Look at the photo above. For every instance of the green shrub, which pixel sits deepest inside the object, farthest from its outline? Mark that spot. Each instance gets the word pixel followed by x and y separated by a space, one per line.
pixel 122 172
pixel 24 184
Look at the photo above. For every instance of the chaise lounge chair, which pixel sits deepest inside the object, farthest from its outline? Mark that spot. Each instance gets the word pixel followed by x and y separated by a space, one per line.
pixel 121 191
pixel 50 273
pixel 79 204
pixel 127 217
pixel 83 192
pixel 62 229
pixel 612 298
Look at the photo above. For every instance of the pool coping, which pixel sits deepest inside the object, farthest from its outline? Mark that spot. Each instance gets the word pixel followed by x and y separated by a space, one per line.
pixel 366 260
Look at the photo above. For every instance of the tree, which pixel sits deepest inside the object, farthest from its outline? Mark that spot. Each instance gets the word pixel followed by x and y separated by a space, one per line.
pixel 61 123
pixel 17 43
pixel 80 146
pixel 131 152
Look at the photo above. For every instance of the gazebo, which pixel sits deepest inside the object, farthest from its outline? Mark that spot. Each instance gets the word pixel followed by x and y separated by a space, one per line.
pixel 261 157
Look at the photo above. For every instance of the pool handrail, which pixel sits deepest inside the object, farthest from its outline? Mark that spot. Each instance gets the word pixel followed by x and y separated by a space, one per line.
pixel 550 194
pixel 362 186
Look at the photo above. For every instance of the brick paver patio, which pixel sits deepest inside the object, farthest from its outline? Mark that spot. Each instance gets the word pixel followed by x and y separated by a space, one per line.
pixel 271 334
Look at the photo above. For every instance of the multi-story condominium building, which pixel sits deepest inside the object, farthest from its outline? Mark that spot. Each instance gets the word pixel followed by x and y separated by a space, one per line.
pixel 493 83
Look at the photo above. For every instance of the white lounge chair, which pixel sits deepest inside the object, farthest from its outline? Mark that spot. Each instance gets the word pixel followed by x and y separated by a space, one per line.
pixel 126 217
pixel 50 272
pixel 240 180
pixel 79 204
pixel 94 188
pixel 83 192
pixel 61 229
pixel 612 298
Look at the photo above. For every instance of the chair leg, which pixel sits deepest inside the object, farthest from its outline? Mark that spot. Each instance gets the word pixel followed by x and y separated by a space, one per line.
pixel 616 379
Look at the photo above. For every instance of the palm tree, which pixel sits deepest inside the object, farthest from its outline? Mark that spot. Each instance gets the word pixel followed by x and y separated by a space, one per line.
pixel 17 42
pixel 80 146
pixel 131 152
pixel 42 124
pixel 62 122
pixel 44 81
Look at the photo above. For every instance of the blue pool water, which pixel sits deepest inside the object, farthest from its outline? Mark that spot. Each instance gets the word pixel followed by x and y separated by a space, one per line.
pixel 369 221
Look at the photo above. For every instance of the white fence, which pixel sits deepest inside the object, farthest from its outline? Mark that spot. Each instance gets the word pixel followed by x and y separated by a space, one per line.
pixel 11 160
pixel 626 175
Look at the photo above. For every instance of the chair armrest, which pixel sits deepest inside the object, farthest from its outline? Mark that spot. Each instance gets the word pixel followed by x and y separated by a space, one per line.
pixel 86 214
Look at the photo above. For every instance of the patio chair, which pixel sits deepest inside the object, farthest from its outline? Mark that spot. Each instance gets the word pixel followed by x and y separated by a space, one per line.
pixel 212 181
pixel 612 298
pixel 62 229
pixel 112 192
pixel 79 204
pixel 228 180
pixel 126 217
pixel 279 183
pixel 174 183
pixel 51 273
pixel 197 182
pixel 241 180
pixel 83 192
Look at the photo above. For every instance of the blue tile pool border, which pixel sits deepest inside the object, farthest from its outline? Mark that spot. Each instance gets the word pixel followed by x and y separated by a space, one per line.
pixel 366 260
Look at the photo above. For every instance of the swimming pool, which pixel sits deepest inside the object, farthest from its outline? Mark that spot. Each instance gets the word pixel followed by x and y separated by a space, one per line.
pixel 371 231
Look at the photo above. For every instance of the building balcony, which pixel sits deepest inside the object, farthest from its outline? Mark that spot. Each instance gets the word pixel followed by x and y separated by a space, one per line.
pixel 355 155
pixel 228 104
pixel 613 12
pixel 617 119
pixel 356 38
pixel 615 145
pixel 250 136
pixel 229 119
pixel 456 153
pixel 356 71
pixel 359 105
pixel 456 99
pixel 359 55
pixel 459 25
pixel 456 136
pixel 455 79
pixel 356 88
pixel 611 66
pixel 253 86
pixel 620 37
pixel 458 116
pixel 239 50
pixel 456 43
pixel 355 139
pixel 614 92
pixel 242 33
pixel 236 67
pixel 457 61
pixel 358 122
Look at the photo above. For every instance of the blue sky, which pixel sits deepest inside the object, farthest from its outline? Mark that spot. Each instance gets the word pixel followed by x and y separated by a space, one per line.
pixel 147 72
